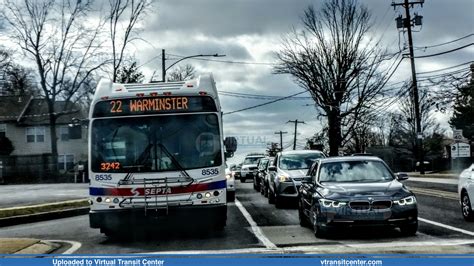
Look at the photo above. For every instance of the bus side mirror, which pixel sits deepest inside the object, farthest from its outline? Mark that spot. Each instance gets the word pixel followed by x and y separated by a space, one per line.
pixel 401 176
pixel 230 144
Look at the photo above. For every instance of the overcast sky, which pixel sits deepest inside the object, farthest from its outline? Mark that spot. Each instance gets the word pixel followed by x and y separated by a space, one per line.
pixel 250 31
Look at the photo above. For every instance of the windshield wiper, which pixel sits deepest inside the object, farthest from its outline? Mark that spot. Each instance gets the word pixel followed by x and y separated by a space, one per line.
pixel 138 163
pixel 175 161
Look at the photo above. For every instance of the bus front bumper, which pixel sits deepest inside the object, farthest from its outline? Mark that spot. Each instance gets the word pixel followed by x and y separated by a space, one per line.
pixel 122 218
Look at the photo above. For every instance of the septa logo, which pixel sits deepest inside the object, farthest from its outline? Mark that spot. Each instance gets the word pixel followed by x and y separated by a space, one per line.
pixel 158 191
pixel 135 192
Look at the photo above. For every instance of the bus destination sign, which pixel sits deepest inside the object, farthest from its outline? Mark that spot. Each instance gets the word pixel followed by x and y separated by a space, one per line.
pixel 154 105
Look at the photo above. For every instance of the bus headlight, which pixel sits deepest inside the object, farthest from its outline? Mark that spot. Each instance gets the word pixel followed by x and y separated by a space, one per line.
pixel 207 195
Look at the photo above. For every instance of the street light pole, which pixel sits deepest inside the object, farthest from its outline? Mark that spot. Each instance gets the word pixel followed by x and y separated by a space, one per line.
pixel 163 59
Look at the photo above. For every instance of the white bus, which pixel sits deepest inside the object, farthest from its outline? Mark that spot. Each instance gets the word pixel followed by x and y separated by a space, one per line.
pixel 157 150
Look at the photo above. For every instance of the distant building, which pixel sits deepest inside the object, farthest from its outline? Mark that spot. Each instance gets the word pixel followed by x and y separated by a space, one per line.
pixel 25 122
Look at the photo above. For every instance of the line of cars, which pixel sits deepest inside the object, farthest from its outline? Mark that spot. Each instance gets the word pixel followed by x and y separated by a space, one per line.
pixel 350 191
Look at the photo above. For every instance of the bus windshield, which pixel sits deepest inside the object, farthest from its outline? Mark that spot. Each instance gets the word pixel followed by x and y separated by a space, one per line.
pixel 155 143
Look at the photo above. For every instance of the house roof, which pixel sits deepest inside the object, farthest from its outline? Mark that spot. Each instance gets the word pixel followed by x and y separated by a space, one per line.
pixel 28 111
pixel 11 107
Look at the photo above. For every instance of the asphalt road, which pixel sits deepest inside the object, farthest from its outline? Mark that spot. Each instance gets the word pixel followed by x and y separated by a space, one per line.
pixel 255 224
pixel 21 195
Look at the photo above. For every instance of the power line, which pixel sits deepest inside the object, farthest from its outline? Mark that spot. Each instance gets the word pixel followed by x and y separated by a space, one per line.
pixel 445 52
pixel 259 96
pixel 270 102
pixel 445 43
pixel 442 69
pixel 442 75
pixel 230 61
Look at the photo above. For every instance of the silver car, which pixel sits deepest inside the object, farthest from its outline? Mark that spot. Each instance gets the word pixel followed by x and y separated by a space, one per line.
pixel 249 166
pixel 466 193
pixel 289 168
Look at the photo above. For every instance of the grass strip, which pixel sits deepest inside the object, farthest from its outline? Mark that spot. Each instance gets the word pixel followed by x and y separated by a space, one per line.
pixel 40 208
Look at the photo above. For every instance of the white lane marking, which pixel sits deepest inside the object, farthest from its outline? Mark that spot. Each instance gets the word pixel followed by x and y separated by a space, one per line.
pixel 256 230
pixel 315 248
pixel 74 245
pixel 435 193
pixel 446 242
pixel 446 226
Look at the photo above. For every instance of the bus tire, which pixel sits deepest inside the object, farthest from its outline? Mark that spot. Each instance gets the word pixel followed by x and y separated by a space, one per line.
pixel 107 232
pixel 220 224
pixel 230 196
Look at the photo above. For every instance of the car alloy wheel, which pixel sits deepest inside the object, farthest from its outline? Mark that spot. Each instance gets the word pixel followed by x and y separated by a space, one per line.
pixel 303 220
pixel 466 208
pixel 271 197
pixel 318 232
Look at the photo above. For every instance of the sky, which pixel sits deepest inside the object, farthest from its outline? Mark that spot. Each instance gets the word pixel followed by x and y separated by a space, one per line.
pixel 251 31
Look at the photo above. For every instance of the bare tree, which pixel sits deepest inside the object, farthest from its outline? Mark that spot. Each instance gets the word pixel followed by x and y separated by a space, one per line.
pixel 181 73
pixel 17 80
pixel 404 132
pixel 123 18
pixel 333 58
pixel 58 37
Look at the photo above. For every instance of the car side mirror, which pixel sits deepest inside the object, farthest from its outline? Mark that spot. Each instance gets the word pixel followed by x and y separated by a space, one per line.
pixel 272 168
pixel 307 179
pixel 401 176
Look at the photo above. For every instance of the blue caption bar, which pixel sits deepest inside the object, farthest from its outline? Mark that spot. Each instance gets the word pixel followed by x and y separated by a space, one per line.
pixel 274 260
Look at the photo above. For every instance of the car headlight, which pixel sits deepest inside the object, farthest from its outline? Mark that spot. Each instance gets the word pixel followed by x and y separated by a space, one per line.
pixel 228 176
pixel 406 201
pixel 283 178
pixel 331 203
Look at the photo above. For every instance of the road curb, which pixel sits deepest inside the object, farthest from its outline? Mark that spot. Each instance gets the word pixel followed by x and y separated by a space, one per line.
pixel 27 246
pixel 43 216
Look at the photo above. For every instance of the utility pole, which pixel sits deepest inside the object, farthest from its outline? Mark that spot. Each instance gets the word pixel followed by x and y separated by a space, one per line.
pixel 281 138
pixel 296 128
pixel 163 60
pixel 407 23
pixel 163 65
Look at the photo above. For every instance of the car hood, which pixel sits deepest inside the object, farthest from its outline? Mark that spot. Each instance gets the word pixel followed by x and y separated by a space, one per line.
pixel 248 165
pixel 392 189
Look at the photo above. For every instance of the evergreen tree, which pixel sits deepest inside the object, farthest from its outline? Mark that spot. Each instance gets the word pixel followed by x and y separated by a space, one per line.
pixel 463 115
pixel 129 74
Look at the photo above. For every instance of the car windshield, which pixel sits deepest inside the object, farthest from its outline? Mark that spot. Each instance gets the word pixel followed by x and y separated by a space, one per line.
pixel 155 144
pixel 354 171
pixel 251 160
pixel 299 161
pixel 262 164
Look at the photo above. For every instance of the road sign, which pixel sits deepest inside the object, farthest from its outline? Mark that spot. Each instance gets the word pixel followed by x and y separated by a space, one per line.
pixel 457 134
pixel 460 150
